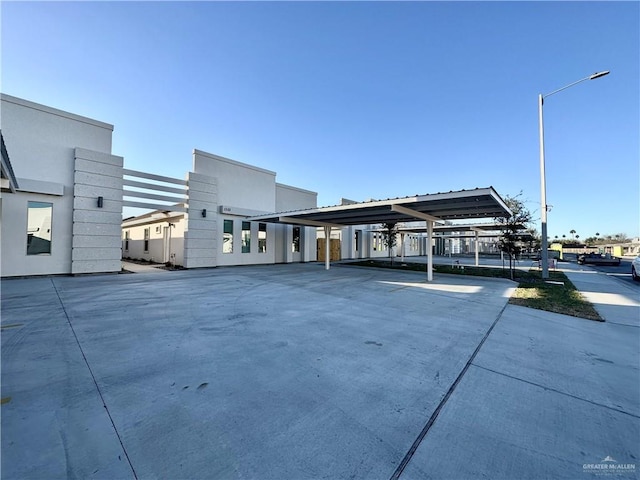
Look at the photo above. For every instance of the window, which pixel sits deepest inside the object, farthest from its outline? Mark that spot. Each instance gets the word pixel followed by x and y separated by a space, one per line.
pixel 246 237
pixel 375 242
pixel 357 239
pixel 295 244
pixel 158 229
pixel 227 237
pixel 262 238
pixel 147 234
pixel 126 240
pixel 39 228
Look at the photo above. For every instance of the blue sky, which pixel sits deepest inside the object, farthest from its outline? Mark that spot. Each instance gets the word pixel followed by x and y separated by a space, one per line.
pixel 358 100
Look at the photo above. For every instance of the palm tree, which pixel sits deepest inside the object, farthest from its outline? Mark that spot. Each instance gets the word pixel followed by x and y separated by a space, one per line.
pixel 572 232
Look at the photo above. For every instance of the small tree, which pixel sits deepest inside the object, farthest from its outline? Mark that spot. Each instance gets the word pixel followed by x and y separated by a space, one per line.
pixel 389 237
pixel 535 239
pixel 508 242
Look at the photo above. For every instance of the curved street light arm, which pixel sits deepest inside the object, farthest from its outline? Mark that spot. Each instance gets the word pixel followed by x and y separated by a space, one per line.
pixel 590 77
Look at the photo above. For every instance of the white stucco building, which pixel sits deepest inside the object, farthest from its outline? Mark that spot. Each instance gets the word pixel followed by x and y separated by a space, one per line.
pixel 63 194
pixel 217 228
pixel 51 223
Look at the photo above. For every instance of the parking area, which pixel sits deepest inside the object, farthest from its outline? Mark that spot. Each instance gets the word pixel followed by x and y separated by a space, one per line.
pixel 294 372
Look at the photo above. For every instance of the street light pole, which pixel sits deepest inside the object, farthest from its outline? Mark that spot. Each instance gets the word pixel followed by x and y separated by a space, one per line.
pixel 544 247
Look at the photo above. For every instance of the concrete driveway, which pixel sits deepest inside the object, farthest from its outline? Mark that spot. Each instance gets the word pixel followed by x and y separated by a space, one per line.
pixel 293 372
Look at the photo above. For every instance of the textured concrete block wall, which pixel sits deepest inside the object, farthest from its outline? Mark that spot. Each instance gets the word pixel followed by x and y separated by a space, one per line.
pixel 200 236
pixel 96 244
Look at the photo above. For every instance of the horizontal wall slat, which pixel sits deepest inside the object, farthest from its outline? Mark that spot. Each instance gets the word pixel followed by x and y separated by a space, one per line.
pixel 91 241
pixel 91 166
pixel 151 176
pixel 153 186
pixel 97 254
pixel 152 196
pixel 93 266
pixel 97 179
pixel 97 216
pixel 94 191
pixel 153 206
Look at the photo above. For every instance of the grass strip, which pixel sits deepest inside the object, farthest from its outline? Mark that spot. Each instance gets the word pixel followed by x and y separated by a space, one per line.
pixel 558 295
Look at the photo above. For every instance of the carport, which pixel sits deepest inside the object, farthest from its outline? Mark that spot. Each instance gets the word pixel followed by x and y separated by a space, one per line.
pixel 432 208
pixel 480 230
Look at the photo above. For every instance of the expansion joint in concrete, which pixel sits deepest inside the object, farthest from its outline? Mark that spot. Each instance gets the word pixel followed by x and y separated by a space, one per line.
pixel 423 433
pixel 556 391
pixel 104 404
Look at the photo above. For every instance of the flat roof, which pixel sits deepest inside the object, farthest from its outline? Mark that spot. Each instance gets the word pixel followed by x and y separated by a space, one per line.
pixel 462 204
pixel 54 111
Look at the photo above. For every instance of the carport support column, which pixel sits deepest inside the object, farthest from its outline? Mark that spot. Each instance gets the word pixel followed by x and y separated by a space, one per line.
pixel 477 254
pixel 429 251
pixel 327 249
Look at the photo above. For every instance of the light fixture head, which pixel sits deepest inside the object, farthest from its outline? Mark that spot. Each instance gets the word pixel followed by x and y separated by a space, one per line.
pixel 598 75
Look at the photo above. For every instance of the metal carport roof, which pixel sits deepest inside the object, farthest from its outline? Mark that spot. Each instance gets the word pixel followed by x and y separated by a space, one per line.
pixel 462 204
pixel 437 207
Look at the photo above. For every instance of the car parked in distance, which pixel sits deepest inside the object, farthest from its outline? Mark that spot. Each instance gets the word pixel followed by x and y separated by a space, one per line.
pixel 635 268
pixel 598 259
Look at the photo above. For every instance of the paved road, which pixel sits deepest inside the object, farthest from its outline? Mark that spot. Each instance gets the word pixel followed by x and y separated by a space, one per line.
pixel 621 272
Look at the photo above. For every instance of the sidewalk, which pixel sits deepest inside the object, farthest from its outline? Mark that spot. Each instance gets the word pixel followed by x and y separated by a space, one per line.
pixel 141 268
pixel 615 301
pixel 548 395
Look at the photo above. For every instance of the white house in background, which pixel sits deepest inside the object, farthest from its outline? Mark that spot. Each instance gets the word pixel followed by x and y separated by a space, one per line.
pixel 156 236
pixel 218 229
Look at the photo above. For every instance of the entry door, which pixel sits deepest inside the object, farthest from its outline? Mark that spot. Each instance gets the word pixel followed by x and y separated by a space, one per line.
pixel 334 249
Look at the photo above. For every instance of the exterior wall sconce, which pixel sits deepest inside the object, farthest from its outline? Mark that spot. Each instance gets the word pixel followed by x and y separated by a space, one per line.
pixel 100 202
pixel 204 212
